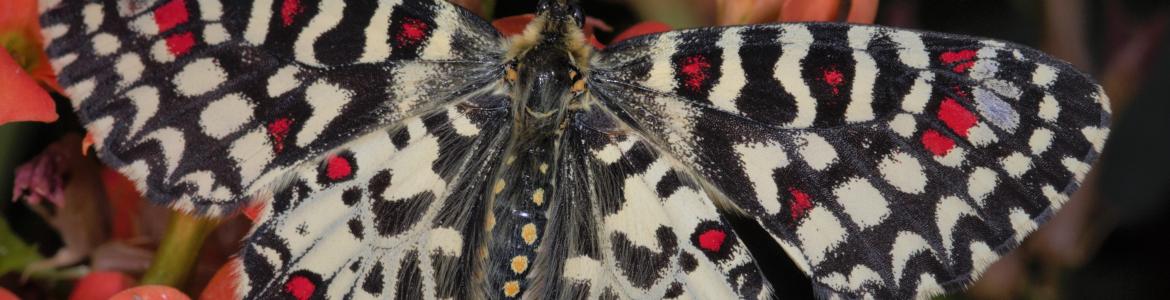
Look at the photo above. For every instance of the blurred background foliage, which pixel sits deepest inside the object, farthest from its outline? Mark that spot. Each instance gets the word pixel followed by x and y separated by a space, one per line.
pixel 1110 241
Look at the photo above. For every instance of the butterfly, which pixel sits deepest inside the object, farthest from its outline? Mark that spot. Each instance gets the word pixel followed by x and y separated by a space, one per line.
pixel 405 149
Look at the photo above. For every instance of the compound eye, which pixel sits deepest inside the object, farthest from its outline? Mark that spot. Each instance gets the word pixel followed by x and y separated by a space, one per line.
pixel 579 16
pixel 543 6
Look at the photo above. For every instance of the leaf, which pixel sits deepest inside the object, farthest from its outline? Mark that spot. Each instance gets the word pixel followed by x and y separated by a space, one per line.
pixel 15 254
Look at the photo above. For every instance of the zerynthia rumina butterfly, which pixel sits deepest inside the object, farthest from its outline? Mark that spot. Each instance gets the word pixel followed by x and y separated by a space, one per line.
pixel 406 149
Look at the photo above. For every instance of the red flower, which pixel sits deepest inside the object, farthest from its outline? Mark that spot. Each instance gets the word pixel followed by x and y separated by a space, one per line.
pixel 514 25
pixel 22 65
pixel 731 12
pixel 223 284
pixel 151 292
pixel 100 285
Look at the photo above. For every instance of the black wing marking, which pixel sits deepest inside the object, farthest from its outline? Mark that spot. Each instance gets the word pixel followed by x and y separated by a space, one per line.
pixel 205 103
pixel 395 213
pixel 629 222
pixel 891 163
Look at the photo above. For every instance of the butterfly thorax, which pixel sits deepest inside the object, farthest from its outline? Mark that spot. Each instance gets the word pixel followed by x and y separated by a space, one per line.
pixel 544 68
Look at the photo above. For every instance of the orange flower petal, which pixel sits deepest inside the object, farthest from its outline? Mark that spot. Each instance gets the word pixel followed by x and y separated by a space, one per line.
pixel 151 292
pixel 863 11
pixel 223 283
pixel 810 10
pixel 737 12
pixel 513 25
pixel 100 285
pixel 5 294
pixel 642 28
pixel 124 202
pixel 21 32
pixel 86 143
pixel 22 99
pixel 18 14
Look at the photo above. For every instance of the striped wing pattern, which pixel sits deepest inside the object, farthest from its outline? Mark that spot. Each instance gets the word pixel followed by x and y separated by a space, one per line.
pixel 647 230
pixel 888 163
pixel 394 214
pixel 207 103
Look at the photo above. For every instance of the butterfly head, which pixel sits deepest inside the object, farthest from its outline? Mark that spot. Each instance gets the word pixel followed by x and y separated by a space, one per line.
pixel 561 11
pixel 545 65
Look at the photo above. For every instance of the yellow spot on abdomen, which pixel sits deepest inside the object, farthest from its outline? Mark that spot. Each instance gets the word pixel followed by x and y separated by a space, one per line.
pixel 528 232
pixel 519 264
pixel 512 288
pixel 543 168
pixel 538 196
pixel 490 222
pixel 500 184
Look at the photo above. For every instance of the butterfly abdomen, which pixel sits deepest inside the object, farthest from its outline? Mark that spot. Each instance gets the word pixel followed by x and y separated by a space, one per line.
pixel 521 191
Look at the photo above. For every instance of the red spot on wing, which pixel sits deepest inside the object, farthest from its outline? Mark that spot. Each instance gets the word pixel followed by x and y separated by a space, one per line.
pixel 955 116
pixel 338 167
pixel 712 240
pixel 300 287
pixel 961 60
pixel 695 71
pixel 413 31
pixel 170 15
pixel 937 143
pixel 289 10
pixel 179 44
pixel 834 78
pixel 800 203
pixel 278 130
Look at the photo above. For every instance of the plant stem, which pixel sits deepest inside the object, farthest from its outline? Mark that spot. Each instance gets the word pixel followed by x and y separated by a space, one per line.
pixel 175 257
pixel 489 8
pixel 15 254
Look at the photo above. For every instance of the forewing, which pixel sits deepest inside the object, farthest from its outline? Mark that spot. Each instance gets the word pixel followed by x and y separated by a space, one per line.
pixel 205 103
pixel 629 222
pixel 887 162
pixel 396 213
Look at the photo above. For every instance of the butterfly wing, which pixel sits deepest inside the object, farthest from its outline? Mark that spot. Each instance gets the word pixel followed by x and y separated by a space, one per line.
pixel 630 223
pixel 887 162
pixel 206 103
pixel 395 213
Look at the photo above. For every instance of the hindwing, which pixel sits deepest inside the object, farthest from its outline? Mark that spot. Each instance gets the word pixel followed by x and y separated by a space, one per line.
pixel 395 213
pixel 630 222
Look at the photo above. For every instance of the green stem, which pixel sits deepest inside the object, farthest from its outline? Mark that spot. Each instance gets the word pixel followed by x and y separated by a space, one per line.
pixel 175 257
pixel 15 254
pixel 489 8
